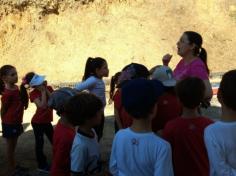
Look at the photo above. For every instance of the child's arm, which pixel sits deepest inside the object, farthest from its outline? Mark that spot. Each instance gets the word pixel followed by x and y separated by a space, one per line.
pixel 3 110
pixel 163 165
pixel 41 102
pixel 5 103
pixel 88 83
pixel 113 163
pixel 78 157
pixel 216 156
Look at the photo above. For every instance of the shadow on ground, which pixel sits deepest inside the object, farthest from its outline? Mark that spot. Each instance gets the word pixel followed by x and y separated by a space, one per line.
pixel 25 155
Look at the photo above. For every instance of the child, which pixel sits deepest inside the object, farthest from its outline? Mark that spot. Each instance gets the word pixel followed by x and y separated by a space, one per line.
pixel 113 86
pixel 220 137
pixel 12 109
pixel 113 89
pixel 168 104
pixel 95 69
pixel 185 134
pixel 137 150
pixel 85 111
pixel 41 121
pixel 64 132
pixel 129 72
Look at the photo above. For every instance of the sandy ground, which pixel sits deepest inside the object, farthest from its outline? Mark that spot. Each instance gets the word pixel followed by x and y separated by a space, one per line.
pixel 54 37
pixel 25 149
pixel 25 155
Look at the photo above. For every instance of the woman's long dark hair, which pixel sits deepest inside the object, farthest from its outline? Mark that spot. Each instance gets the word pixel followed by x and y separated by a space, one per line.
pixel 196 38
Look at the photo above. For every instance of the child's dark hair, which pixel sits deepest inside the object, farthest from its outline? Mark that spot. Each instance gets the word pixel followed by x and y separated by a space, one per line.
pixel 140 95
pixel 91 65
pixel 227 89
pixel 24 94
pixel 196 38
pixel 190 92
pixel 113 84
pixel 82 107
pixel 3 72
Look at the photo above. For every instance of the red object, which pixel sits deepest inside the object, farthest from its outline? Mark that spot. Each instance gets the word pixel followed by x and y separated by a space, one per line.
pixel 215 90
pixel 14 108
pixel 62 142
pixel 168 108
pixel 42 115
pixel 186 136
pixel 126 119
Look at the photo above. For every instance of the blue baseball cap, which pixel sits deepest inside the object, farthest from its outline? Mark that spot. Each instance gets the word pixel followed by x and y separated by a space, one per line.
pixel 139 95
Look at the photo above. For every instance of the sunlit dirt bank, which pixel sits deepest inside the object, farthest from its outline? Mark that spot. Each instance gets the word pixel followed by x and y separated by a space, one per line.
pixel 55 37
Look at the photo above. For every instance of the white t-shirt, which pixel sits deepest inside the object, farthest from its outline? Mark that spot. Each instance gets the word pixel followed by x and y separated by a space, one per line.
pixel 220 140
pixel 140 154
pixel 85 154
pixel 93 85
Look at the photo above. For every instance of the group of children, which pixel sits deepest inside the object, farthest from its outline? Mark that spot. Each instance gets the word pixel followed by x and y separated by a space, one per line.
pixel 158 122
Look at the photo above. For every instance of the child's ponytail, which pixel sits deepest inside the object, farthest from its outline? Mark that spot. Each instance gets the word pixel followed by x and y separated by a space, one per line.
pixel 23 91
pixel 24 95
pixel 88 68
pixel 114 82
pixel 91 65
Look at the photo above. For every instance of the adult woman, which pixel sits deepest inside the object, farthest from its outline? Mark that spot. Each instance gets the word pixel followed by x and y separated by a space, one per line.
pixel 193 62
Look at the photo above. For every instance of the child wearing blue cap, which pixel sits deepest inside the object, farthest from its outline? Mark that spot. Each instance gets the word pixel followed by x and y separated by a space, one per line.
pixel 137 150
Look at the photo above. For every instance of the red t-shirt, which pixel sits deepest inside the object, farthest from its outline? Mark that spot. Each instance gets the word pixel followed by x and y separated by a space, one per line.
pixel 42 115
pixel 168 109
pixel 186 136
pixel 14 108
pixel 62 142
pixel 125 118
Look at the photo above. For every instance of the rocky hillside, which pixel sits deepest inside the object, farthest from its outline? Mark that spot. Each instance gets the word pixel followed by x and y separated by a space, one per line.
pixel 54 37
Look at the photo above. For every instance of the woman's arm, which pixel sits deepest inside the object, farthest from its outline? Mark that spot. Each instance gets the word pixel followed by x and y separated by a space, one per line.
pixel 208 90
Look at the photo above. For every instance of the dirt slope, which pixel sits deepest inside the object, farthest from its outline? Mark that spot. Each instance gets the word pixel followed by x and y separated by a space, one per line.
pixel 54 37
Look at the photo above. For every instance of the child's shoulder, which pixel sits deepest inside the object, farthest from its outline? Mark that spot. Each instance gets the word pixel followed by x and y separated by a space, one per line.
pixel 8 92
pixel 150 136
pixel 219 125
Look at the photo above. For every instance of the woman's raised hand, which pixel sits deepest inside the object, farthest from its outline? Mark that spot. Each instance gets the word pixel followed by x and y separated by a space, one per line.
pixel 166 59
